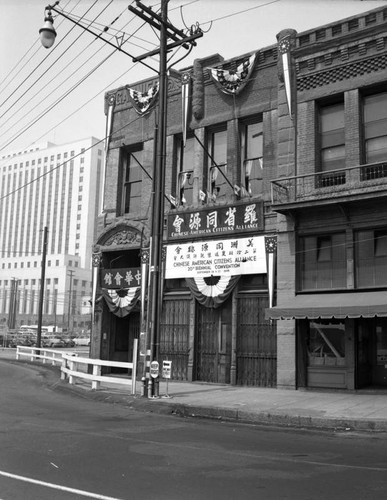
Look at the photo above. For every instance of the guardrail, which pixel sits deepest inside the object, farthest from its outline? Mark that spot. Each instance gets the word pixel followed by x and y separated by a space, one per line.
pixel 41 353
pixel 71 364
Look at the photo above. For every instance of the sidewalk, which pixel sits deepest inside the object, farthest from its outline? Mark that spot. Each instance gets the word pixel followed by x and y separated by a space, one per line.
pixel 341 411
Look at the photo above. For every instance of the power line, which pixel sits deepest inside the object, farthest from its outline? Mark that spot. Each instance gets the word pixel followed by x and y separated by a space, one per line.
pixel 24 57
pixel 44 73
pixel 75 86
pixel 65 162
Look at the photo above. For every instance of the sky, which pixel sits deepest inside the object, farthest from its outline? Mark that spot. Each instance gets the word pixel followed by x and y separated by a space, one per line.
pixel 57 94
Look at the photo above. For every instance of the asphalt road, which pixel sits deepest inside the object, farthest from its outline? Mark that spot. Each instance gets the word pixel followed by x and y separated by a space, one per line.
pixel 63 447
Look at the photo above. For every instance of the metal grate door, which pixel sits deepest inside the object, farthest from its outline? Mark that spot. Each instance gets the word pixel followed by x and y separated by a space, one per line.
pixel 174 336
pixel 256 344
pixel 206 354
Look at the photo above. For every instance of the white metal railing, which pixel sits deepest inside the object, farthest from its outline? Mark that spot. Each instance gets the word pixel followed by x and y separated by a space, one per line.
pixel 71 366
pixel 41 353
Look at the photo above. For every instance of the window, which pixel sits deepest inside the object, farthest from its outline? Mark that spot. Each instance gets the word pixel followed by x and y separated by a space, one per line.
pixel 217 148
pixel 57 262
pixel 326 343
pixel 252 147
pixel 332 144
pixel 371 258
pixel 185 164
pixel 131 202
pixel 322 262
pixel 375 127
pixel 332 137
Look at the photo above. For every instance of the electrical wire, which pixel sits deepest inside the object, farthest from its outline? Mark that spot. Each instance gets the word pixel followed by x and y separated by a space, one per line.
pixel 75 86
pixel 101 141
pixel 53 64
pixel 37 42
pixel 26 128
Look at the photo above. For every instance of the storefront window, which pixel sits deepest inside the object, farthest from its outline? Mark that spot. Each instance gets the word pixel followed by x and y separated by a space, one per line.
pixel 326 343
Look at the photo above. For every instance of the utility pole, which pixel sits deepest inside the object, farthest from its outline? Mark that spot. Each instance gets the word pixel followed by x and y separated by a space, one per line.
pixel 41 297
pixel 71 274
pixel 155 295
pixel 13 301
pixel 170 38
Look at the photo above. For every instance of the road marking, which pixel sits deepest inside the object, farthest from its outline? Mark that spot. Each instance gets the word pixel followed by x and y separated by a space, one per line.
pixel 57 486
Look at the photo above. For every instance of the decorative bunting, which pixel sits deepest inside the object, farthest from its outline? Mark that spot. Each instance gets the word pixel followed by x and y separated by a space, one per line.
pixel 145 254
pixel 121 302
pixel 241 191
pixel 212 291
pixel 144 101
pixel 233 81
pixel 271 250
pixel 96 261
pixel 109 121
pixel 202 195
pixel 172 200
pixel 185 97
pixel 284 50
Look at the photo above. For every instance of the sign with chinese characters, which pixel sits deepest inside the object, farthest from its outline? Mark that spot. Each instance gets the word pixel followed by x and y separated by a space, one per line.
pixel 121 278
pixel 230 257
pixel 219 221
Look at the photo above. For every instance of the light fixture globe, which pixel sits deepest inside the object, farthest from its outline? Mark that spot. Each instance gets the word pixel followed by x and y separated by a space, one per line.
pixel 47 32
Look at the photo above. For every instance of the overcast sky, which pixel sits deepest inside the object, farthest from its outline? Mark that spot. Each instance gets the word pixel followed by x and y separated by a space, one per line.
pixel 47 95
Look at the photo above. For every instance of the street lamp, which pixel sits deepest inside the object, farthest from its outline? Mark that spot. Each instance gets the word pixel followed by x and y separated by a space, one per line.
pixel 47 32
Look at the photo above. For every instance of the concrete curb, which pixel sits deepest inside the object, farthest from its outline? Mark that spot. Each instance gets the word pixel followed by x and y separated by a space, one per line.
pixel 164 407
pixel 51 376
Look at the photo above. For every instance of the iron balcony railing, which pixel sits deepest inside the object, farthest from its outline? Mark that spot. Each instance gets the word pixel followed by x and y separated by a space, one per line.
pixel 330 184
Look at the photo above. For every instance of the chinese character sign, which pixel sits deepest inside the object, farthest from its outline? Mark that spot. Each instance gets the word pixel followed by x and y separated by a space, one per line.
pixel 120 278
pixel 216 221
pixel 230 257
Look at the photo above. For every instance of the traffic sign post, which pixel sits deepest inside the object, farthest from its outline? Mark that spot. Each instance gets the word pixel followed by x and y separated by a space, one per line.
pixel 154 373
pixel 166 373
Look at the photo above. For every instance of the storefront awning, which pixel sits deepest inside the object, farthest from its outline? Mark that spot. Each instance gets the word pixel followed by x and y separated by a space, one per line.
pixel 331 305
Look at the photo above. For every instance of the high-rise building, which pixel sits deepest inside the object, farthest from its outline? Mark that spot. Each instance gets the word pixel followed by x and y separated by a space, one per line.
pixel 58 187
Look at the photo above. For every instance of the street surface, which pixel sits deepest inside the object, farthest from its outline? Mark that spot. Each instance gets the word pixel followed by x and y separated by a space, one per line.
pixel 61 446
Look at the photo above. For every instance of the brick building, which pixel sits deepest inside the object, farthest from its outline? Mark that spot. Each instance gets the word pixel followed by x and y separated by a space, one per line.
pixel 274 164
pixel 330 196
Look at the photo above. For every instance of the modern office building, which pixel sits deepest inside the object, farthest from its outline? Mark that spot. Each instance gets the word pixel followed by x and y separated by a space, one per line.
pixel 58 187
pixel 275 269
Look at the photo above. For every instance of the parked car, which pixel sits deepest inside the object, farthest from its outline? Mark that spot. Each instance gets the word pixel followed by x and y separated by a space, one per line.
pixel 79 341
pixel 53 341
pixel 68 341
pixel 19 339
